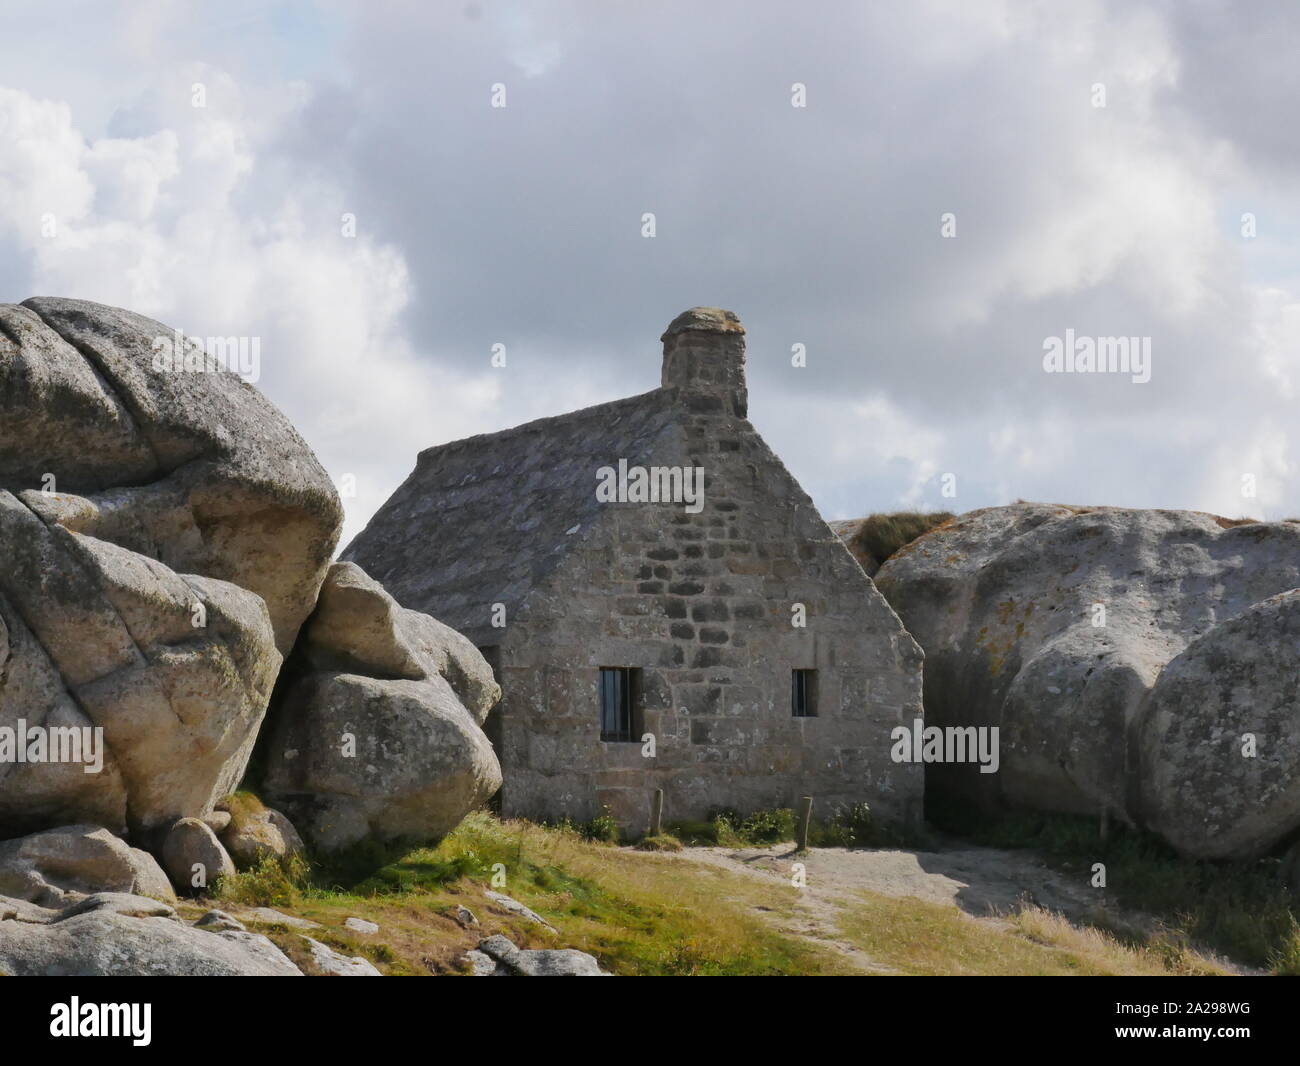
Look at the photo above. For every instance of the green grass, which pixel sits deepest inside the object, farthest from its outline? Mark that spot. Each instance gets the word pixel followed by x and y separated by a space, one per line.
pixel 643 913
pixel 639 914
pixel 1242 909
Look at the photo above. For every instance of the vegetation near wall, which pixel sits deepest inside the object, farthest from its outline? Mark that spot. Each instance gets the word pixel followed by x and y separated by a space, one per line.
pixel 880 535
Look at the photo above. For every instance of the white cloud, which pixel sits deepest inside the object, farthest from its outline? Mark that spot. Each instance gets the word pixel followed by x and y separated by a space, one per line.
pixel 162 224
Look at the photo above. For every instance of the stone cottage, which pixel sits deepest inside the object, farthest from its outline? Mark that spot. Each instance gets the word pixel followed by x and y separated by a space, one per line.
pixel 662 604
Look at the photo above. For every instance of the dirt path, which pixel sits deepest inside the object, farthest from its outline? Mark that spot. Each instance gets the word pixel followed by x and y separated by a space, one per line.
pixel 985 883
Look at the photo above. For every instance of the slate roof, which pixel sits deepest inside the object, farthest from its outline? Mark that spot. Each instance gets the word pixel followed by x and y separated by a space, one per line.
pixel 485 519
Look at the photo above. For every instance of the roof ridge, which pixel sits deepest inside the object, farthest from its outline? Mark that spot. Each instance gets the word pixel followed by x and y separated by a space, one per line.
pixel 545 422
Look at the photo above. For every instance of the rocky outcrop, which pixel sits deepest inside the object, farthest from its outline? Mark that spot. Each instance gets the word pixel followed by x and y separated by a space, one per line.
pixel 1110 648
pixel 160 550
pixel 128 936
pixel 62 865
pixel 379 734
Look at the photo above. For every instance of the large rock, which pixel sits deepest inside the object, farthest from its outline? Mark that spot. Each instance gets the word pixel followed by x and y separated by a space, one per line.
pixel 380 735
pixel 163 534
pixel 118 936
pixel 1055 624
pixel 61 865
pixel 1220 736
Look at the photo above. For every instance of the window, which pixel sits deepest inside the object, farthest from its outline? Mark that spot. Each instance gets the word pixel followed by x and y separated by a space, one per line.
pixel 803 693
pixel 619 704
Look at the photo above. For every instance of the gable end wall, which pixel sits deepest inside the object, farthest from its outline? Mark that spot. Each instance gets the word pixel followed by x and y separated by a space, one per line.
pixel 703 605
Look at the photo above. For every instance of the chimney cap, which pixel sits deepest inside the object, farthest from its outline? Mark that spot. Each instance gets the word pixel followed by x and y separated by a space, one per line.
pixel 704 320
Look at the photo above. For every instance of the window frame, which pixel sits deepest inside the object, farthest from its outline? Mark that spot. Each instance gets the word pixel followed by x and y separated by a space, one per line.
pixel 803 693
pixel 627 692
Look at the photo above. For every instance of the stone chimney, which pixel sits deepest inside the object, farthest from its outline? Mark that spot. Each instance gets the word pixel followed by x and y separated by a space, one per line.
pixel 704 352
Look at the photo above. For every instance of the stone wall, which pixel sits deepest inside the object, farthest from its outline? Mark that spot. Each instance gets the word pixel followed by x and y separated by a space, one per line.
pixel 702 604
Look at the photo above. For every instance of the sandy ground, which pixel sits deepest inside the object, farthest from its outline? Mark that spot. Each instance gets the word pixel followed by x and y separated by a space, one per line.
pixel 985 883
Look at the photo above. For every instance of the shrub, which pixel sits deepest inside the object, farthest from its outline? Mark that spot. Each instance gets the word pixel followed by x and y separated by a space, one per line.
pixel 273 882
pixel 851 826
pixel 695 834
pixel 881 535
pixel 603 828
pixel 768 826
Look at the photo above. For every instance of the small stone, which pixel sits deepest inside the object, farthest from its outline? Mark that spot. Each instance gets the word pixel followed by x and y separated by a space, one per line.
pixel 274 917
pixel 334 964
pixel 218 922
pixel 499 947
pixel 482 965
pixel 360 925
pixel 515 907
pixel 217 821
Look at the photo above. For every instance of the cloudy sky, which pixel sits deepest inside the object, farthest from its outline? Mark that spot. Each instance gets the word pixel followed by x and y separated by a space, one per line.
pixel 1170 213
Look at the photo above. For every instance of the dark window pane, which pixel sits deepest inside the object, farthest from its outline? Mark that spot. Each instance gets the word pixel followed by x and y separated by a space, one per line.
pixel 803 693
pixel 617 703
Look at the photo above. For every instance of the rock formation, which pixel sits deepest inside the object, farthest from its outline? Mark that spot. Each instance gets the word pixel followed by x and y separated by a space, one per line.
pixel 63 865
pixel 1219 736
pixel 118 935
pixel 1112 649
pixel 160 550
pixel 380 734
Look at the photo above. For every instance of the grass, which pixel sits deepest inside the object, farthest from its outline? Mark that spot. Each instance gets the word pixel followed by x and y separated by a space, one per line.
pixel 880 535
pixel 1244 910
pixel 638 913
pixel 928 939
pixel 642 913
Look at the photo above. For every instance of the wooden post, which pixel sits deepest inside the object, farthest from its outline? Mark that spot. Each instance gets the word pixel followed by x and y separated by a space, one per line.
pixel 805 820
pixel 657 813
